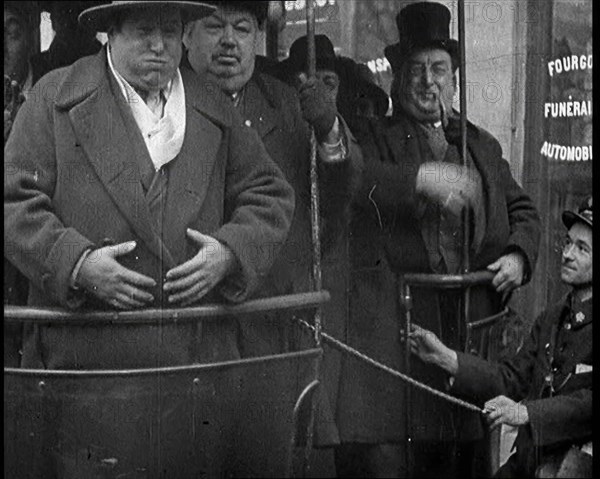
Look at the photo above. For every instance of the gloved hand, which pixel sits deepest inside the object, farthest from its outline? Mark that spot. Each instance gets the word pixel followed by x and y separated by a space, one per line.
pixel 451 125
pixel 318 103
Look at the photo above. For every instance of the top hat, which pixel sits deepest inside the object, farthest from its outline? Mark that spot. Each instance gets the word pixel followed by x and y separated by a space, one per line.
pixel 422 25
pixel 324 51
pixel 583 215
pixel 97 18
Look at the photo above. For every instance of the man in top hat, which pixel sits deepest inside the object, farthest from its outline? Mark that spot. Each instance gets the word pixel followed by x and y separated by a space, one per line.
pixel 546 389
pixel 128 186
pixel 71 40
pixel 408 219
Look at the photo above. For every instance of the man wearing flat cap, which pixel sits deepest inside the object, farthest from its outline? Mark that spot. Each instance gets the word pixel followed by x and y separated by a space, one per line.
pixel 546 389
pixel 127 187
pixel 408 219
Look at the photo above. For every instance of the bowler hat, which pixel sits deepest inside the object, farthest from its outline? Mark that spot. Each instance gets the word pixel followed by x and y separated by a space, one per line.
pixel 97 18
pixel 258 8
pixel 583 215
pixel 324 52
pixel 422 25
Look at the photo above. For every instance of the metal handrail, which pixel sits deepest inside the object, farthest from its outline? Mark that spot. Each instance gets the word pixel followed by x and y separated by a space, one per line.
pixel 167 370
pixel 488 320
pixel 448 281
pixel 23 314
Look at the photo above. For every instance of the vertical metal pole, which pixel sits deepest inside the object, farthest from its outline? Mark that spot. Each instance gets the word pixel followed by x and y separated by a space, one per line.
pixel 315 219
pixel 314 179
pixel 272 40
pixel 406 295
pixel 466 266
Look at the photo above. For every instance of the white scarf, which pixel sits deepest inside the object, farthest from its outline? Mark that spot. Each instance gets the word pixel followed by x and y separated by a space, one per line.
pixel 163 136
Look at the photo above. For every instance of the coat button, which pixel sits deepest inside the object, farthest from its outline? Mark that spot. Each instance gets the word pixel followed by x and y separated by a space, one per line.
pixel 568 326
pixel 248 123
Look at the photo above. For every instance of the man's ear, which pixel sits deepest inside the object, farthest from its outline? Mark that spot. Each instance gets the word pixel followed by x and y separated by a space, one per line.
pixel 188 30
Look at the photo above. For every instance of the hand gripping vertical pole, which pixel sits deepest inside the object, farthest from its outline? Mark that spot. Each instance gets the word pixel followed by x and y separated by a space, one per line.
pixel 315 221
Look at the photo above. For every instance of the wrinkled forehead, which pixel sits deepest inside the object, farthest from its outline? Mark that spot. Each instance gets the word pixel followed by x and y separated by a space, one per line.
pixel 581 232
pixel 430 56
pixel 154 15
pixel 233 14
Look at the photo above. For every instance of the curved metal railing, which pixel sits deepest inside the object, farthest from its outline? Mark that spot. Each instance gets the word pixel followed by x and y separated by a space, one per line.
pixel 23 314
pixel 442 282
pixel 449 281
pixel 179 393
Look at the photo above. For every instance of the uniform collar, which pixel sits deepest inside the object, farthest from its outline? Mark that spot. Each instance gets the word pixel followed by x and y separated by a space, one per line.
pixel 580 312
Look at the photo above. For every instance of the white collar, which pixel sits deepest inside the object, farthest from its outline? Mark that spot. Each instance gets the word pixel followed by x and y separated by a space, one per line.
pixel 163 135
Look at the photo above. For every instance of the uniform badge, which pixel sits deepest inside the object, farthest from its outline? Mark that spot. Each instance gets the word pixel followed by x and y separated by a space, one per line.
pixel 579 317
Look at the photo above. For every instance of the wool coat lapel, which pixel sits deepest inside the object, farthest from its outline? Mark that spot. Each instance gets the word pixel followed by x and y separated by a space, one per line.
pixel 407 148
pixel 105 139
pixel 265 118
pixel 191 172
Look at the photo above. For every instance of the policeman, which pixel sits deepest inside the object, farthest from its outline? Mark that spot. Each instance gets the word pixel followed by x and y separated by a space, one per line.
pixel 546 389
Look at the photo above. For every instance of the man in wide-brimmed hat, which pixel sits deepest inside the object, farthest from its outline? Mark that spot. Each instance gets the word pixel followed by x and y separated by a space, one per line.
pixel 546 388
pixel 146 187
pixel 408 219
pixel 132 184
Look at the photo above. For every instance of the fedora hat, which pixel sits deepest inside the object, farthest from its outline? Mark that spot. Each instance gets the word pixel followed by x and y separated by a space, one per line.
pixel 98 17
pixel 584 214
pixel 422 25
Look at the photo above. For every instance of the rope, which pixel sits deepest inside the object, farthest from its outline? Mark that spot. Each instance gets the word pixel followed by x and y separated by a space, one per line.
pixel 419 385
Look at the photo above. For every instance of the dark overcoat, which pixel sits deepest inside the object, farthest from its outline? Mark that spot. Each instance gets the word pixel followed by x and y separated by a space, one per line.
pixel 552 375
pixel 272 108
pixel 385 242
pixel 73 181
